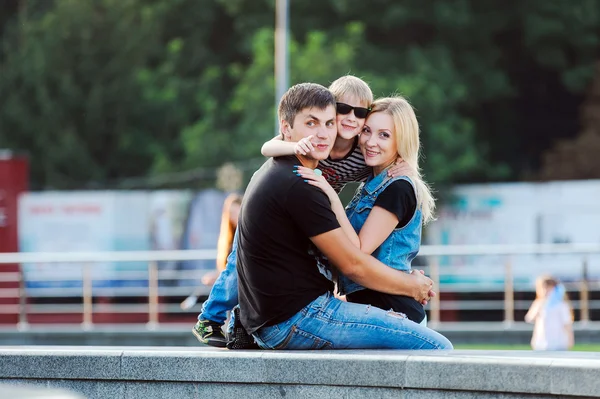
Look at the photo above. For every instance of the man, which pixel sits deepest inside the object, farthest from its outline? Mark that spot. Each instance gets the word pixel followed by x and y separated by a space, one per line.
pixel 285 302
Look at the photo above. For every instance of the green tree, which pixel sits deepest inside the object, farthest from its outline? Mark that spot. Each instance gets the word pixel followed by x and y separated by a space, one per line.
pixel 104 90
pixel 97 91
pixel 69 93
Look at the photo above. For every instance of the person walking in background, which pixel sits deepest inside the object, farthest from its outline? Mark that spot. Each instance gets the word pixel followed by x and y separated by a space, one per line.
pixel 224 295
pixel 386 215
pixel 552 316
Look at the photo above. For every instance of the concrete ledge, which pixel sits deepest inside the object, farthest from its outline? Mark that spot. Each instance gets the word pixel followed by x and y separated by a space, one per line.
pixel 180 334
pixel 137 372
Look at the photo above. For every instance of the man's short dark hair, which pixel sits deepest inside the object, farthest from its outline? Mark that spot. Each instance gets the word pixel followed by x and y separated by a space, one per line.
pixel 303 95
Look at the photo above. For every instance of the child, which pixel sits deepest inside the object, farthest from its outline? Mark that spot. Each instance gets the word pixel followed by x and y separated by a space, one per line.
pixel 345 163
pixel 552 315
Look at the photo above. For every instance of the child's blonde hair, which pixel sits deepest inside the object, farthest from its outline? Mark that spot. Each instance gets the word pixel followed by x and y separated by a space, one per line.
pixel 406 129
pixel 352 86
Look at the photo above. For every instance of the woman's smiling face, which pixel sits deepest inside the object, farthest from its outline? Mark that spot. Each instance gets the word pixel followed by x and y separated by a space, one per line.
pixel 378 141
pixel 349 126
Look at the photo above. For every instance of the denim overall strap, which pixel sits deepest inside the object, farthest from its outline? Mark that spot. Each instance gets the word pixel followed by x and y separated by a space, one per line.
pixel 401 246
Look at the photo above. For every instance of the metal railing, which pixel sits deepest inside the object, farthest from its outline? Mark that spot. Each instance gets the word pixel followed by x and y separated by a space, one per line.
pixel 153 289
pixel 583 285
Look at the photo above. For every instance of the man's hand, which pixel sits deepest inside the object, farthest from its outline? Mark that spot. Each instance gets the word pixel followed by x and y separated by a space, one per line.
pixel 431 295
pixel 368 271
pixel 422 287
pixel 431 292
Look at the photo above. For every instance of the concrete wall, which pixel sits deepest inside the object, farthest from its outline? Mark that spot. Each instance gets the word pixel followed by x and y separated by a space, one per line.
pixel 182 373
pixel 180 335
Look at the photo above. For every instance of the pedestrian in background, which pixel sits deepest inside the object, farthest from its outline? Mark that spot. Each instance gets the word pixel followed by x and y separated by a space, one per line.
pixel 552 316
pixel 229 220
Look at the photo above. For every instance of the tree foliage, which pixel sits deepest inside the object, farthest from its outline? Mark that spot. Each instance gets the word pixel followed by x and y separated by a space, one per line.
pixel 97 91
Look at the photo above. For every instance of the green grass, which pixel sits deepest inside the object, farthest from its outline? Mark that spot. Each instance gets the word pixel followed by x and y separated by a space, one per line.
pixel 578 347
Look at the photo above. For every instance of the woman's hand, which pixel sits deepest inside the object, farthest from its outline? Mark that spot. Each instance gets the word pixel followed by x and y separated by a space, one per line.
pixel 431 292
pixel 400 168
pixel 317 180
pixel 304 146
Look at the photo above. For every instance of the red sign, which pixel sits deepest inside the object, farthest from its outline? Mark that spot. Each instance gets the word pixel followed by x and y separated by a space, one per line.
pixel 14 176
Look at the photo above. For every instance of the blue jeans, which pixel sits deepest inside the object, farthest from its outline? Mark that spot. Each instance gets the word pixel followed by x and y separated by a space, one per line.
pixel 328 323
pixel 224 293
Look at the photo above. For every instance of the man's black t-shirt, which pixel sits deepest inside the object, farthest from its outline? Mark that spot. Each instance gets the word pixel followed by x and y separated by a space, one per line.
pixel 277 275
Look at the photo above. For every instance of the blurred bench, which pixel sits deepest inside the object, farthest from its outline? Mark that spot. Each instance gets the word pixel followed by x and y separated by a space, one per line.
pixel 26 392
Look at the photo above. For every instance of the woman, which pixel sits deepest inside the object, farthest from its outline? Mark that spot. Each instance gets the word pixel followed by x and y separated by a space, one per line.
pixel 386 215
pixel 229 221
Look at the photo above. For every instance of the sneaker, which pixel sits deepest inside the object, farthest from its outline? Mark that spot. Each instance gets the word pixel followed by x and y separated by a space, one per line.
pixel 210 333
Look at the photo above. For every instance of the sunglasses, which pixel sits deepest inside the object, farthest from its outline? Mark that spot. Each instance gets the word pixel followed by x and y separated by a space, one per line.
pixel 359 112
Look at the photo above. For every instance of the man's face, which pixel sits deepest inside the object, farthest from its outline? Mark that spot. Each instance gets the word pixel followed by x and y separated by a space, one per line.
pixel 319 123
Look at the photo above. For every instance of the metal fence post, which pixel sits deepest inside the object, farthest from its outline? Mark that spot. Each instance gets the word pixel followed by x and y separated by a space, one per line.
pixel 87 297
pixel 22 323
pixel 152 295
pixel 509 294
pixel 584 294
pixel 435 301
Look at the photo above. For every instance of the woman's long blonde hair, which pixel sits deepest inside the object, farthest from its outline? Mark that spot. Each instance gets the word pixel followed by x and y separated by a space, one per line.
pixel 227 230
pixel 406 128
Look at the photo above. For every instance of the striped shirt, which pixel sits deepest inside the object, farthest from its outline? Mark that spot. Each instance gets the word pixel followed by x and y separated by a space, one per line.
pixel 351 168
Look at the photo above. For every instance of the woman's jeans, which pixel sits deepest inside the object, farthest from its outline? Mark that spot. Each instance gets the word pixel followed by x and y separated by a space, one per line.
pixel 328 323
pixel 224 293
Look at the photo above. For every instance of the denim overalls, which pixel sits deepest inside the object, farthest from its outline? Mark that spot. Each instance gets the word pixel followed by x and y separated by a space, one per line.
pixel 401 247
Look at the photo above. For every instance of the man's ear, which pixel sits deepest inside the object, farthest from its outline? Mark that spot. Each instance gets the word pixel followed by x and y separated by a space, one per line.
pixel 286 130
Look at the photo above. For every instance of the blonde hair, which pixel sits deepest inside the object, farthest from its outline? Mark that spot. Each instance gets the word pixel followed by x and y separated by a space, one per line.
pixel 352 86
pixel 227 230
pixel 406 129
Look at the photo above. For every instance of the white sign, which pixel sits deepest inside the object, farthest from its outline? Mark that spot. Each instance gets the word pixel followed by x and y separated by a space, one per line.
pixel 81 222
pixel 519 213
